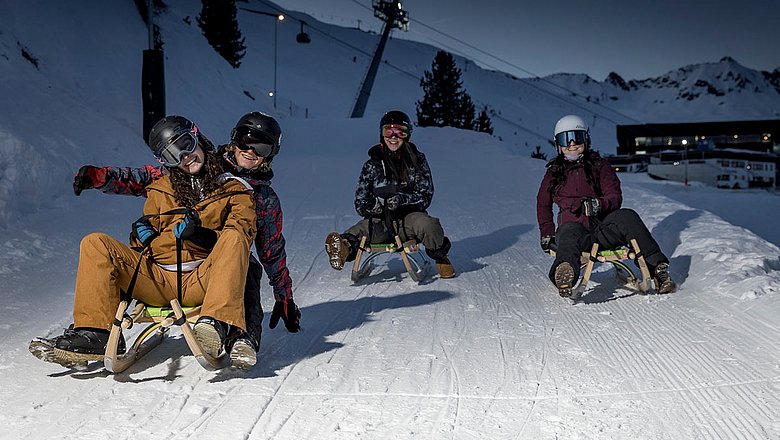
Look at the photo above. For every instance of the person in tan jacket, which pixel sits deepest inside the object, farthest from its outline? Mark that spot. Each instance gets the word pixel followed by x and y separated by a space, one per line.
pixel 213 215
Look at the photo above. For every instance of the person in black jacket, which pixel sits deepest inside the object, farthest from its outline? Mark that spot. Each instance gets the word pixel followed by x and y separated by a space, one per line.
pixel 394 191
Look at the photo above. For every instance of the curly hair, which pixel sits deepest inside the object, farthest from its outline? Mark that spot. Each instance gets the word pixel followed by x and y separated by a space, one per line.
pixel 559 165
pixel 190 189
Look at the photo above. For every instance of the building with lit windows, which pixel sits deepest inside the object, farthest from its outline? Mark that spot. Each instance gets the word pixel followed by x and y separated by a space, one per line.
pixel 729 154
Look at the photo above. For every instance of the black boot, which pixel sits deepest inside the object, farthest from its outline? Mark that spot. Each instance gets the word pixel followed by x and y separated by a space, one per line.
pixel 86 341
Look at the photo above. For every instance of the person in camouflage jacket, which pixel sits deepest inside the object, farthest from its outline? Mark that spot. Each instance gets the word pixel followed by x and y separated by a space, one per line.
pixel 394 191
pixel 245 162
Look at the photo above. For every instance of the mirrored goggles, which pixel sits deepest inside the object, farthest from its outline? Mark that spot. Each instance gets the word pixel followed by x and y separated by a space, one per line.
pixel 171 154
pixel 579 137
pixel 247 139
pixel 397 130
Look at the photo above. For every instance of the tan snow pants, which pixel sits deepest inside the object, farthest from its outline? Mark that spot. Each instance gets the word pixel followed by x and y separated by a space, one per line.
pixel 106 266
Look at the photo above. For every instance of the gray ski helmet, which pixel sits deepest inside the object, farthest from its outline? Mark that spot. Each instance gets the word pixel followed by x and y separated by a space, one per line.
pixel 167 128
pixel 259 124
pixel 396 117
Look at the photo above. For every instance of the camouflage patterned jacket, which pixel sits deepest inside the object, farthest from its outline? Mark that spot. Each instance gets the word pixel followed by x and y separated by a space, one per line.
pixel 269 241
pixel 416 193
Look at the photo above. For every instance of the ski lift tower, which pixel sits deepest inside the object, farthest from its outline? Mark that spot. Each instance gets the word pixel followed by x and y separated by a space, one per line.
pixel 394 16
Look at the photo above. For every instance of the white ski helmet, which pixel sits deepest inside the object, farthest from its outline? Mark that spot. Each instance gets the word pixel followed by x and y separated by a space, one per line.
pixel 571 128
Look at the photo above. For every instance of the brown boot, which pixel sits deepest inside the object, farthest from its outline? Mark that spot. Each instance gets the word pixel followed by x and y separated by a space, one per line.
pixel 445 268
pixel 337 249
pixel 564 279
pixel 663 281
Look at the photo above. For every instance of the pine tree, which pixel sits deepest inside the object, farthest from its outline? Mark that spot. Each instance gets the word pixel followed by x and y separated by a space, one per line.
pixel 484 124
pixel 444 103
pixel 218 22
pixel 538 153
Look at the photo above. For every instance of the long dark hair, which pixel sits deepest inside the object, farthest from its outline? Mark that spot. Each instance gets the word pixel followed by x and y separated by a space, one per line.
pixel 399 162
pixel 559 165
pixel 190 189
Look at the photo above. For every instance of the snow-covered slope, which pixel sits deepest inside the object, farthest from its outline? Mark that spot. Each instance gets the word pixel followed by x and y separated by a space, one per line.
pixel 491 354
pixel 71 87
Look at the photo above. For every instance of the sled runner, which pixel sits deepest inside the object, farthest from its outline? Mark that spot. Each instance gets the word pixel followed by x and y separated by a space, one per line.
pixel 617 257
pixel 160 320
pixel 409 251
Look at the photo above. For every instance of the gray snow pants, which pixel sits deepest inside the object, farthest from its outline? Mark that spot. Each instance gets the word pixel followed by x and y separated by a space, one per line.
pixel 417 226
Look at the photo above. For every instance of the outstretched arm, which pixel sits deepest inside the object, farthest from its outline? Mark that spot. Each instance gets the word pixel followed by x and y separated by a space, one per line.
pixel 116 180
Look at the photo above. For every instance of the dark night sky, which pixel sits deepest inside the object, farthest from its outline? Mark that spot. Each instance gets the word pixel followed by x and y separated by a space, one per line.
pixel 636 39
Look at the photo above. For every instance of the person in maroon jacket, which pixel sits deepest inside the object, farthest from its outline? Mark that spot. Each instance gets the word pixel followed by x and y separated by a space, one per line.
pixel 587 192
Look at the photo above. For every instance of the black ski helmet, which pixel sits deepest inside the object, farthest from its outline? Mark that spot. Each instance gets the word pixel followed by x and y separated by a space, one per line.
pixel 259 124
pixel 167 128
pixel 396 117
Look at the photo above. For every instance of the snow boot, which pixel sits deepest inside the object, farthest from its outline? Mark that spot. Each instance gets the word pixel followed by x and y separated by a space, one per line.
pixel 243 353
pixel 337 248
pixel 446 270
pixel 75 348
pixel 564 279
pixel 86 341
pixel 663 281
pixel 211 335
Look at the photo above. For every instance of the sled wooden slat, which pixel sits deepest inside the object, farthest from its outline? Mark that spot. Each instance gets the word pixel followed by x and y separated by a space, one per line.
pixel 361 267
pixel 160 319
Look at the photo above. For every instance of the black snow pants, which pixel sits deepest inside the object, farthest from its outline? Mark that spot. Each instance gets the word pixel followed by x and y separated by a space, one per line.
pixel 615 230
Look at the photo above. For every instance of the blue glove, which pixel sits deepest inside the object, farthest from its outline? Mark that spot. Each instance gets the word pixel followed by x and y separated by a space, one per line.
pixel 186 228
pixel 144 231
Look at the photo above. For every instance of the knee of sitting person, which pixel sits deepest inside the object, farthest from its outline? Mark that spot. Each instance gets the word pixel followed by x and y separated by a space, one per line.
pixel 94 240
pixel 233 237
pixel 627 214
pixel 569 228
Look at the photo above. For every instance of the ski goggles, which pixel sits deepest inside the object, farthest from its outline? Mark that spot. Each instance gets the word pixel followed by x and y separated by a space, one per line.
pixel 172 153
pixel 579 137
pixel 246 139
pixel 395 130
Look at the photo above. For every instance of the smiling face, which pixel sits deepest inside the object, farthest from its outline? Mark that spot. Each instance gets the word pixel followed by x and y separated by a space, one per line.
pixel 193 162
pixel 247 159
pixel 393 143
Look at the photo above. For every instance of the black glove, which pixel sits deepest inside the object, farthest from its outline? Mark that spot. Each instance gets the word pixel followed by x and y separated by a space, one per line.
pixel 395 202
pixel 378 207
pixel 548 243
pixel 86 178
pixel 590 206
pixel 290 314
pixel 144 231
pixel 186 228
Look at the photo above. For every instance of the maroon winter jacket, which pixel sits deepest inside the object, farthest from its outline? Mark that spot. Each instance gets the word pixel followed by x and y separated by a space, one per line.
pixel 568 196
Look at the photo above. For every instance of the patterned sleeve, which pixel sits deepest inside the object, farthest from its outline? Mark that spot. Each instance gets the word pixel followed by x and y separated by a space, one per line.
pixel 421 193
pixel 270 243
pixel 364 193
pixel 126 181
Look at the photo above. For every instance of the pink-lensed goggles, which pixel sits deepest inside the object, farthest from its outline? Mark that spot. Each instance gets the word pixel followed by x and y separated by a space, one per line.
pixel 395 130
